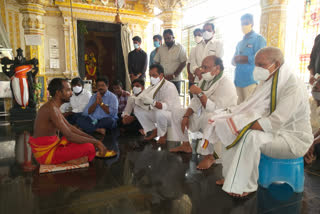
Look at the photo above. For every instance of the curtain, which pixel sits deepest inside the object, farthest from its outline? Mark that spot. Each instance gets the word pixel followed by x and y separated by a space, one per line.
pixel 4 38
pixel 126 43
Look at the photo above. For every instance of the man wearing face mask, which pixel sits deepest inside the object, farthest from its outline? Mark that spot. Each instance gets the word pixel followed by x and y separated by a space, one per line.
pixel 244 58
pixel 79 100
pixel 157 104
pixel 216 91
pixel 197 33
pixel 129 122
pixel 101 112
pixel 274 120
pixel 157 42
pixel 208 46
pixel 172 57
pixel 314 151
pixel 137 60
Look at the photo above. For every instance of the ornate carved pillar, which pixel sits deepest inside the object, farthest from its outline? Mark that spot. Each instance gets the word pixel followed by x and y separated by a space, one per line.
pixel 273 22
pixel 33 11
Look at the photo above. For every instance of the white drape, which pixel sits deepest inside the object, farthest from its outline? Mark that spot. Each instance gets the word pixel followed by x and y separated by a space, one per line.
pixel 4 37
pixel 126 44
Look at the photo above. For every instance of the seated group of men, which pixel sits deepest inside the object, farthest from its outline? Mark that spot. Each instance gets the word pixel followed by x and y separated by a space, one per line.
pixel 274 120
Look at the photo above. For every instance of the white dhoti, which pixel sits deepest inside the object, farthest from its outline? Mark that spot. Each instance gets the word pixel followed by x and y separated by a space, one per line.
pixel 154 119
pixel 241 162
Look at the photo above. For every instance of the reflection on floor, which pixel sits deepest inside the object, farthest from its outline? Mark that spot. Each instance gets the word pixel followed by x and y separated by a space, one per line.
pixel 143 178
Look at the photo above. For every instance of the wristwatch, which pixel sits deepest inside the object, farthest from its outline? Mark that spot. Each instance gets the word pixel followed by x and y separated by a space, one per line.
pixel 200 94
pixel 101 104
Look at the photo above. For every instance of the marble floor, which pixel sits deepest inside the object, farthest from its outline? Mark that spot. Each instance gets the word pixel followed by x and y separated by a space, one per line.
pixel 143 178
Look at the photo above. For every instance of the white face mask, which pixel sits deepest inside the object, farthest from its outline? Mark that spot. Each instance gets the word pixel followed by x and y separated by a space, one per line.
pixel 154 81
pixel 136 46
pixel 198 39
pixel 207 35
pixel 77 89
pixel 207 76
pixel 316 95
pixel 261 74
pixel 136 90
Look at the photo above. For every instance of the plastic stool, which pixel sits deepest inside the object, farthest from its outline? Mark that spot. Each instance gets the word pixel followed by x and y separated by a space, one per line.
pixel 273 170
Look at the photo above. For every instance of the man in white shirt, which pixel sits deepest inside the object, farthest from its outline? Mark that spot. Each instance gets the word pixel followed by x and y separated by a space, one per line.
pixel 79 100
pixel 215 91
pixel 207 47
pixel 172 56
pixel 157 104
pixel 274 120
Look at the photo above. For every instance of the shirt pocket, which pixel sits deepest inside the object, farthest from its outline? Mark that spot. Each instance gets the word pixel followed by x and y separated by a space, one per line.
pixel 247 49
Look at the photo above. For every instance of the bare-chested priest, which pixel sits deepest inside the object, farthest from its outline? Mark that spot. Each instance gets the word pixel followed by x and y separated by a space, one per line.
pixel 75 146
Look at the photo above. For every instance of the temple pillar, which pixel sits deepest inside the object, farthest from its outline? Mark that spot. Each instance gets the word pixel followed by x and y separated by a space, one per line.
pixel 273 22
pixel 32 12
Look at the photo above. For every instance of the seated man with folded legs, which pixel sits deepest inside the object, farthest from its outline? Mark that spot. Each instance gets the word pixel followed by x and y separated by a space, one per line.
pixel 75 146
pixel 216 91
pixel 101 111
pixel 78 101
pixel 157 103
pixel 274 120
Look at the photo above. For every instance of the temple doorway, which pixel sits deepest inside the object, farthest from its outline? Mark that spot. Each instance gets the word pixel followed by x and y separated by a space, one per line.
pixel 100 51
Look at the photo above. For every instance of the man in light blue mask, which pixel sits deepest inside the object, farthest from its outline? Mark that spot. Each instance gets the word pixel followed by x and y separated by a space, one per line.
pixel 157 42
pixel 137 60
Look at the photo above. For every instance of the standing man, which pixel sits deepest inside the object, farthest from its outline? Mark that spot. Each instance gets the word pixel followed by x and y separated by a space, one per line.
pixel 244 58
pixel 172 56
pixel 157 42
pixel 79 100
pixel 314 65
pixel 206 47
pixel 137 60
pixel 197 33
pixel 101 111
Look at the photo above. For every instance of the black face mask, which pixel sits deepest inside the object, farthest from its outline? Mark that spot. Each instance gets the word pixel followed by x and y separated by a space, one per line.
pixel 169 44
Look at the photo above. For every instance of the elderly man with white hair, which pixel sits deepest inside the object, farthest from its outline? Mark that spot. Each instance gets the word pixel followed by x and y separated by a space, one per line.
pixel 275 120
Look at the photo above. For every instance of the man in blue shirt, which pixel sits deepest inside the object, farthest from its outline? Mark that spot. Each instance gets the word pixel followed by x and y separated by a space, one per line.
pixel 244 58
pixel 157 42
pixel 101 111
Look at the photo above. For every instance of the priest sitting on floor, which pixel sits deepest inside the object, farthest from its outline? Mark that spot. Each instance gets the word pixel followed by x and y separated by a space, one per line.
pixel 78 101
pixel 75 147
pixel 274 120
pixel 101 112
pixel 157 103
pixel 129 123
pixel 216 91
pixel 314 151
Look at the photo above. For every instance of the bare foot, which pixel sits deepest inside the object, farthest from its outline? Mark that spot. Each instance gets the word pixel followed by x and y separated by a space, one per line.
pixel 239 196
pixel 207 162
pixel 152 135
pixel 142 132
pixel 78 161
pixel 185 147
pixel 162 140
pixel 101 131
pixel 220 182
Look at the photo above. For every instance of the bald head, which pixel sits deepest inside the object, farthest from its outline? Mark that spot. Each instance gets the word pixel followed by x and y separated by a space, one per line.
pixel 214 61
pixel 212 65
pixel 271 54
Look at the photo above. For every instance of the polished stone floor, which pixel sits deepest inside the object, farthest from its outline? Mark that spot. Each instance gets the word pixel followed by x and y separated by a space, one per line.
pixel 143 178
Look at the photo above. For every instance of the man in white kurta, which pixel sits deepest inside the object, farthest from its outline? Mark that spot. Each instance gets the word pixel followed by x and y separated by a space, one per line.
pixel 215 91
pixel 275 120
pixel 207 47
pixel 157 103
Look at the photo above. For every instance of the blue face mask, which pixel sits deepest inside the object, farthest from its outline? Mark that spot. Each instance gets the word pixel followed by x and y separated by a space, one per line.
pixel 156 44
pixel 136 46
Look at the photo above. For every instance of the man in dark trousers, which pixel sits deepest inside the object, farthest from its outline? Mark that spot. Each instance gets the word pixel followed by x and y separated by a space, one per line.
pixel 137 60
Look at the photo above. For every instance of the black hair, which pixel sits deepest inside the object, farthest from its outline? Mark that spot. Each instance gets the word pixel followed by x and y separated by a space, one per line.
pixel 139 80
pixel 103 79
pixel 209 23
pixel 136 38
pixel 77 80
pixel 168 31
pixel 248 17
pixel 117 83
pixel 158 36
pixel 159 68
pixel 196 31
pixel 55 85
pixel 218 61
